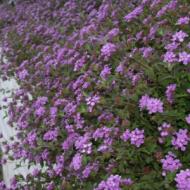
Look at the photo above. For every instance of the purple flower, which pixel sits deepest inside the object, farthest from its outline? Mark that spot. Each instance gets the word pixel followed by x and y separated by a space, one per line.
pixel 127 181
pixel 172 46
pixel 40 111
pixel 152 105
pixel 76 162
pixel 188 90
pixel 170 163
pixel 120 68
pixel 92 101
pixel 23 74
pixel 170 6
pixel 79 63
pixel 143 102
pixel 170 57
pixel 164 130
pixel 137 137
pixel 170 92
pixel 100 133
pixel 108 49
pixel 183 180
pixel 147 51
pixel 188 119
pixel 113 33
pixel 45 154
pixel 50 186
pixel 2 185
pixel 86 172
pixel 60 54
pixel 181 139
pixel 51 135
pixel 183 20
pixel 179 36
pixel 155 3
pixel 83 144
pixel 69 141
pixel 31 138
pixel 106 145
pixel 58 169
pixel 113 183
pixel 70 108
pixel 184 57
pixel 35 172
pixel 41 101
pixel 105 72
pixel 126 135
pixel 53 112
pixel 134 14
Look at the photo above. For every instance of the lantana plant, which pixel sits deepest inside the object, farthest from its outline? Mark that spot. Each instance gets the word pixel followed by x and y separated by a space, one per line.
pixel 104 93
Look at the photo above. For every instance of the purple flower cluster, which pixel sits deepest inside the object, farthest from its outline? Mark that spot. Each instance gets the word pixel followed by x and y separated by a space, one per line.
pixel 188 119
pixel 152 105
pixel 183 20
pixel 92 101
pixel 168 7
pixel 170 163
pixel 76 162
pixel 105 72
pixel 165 130
pixel 170 92
pixel 179 36
pixel 83 144
pixel 136 137
pixel 184 57
pixel 183 180
pixel 181 139
pixel 51 135
pixel 113 33
pixel 170 57
pixel 23 74
pixel 134 14
pixel 108 49
pixel 114 182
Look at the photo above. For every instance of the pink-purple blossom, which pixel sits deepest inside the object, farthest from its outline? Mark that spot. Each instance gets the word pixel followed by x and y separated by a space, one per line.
pixel 170 57
pixel 51 135
pixel 134 14
pixel 181 139
pixel 114 182
pixel 170 163
pixel 170 90
pixel 184 57
pixel 92 101
pixel 164 130
pixel 137 137
pixel 152 105
pixel 187 119
pixel 108 49
pixel 105 72
pixel 183 20
pixel 76 162
pixel 179 36
pixel 183 180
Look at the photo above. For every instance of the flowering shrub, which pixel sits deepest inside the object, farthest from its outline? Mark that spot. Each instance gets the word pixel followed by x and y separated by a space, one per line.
pixel 104 93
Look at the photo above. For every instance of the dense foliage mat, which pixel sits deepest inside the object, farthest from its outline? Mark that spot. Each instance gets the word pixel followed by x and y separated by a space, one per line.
pixel 104 97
